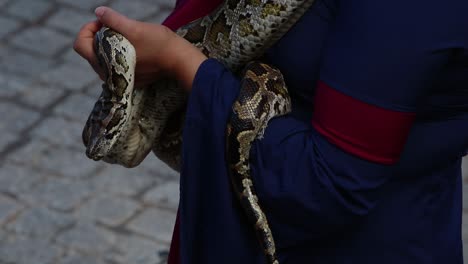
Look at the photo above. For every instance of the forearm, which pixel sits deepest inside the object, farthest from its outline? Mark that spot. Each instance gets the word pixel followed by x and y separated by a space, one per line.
pixel 186 59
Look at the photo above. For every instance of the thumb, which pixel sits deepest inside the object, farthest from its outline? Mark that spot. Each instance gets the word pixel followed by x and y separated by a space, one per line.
pixel 118 22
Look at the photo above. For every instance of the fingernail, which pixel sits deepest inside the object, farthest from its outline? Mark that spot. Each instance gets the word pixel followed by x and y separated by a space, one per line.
pixel 99 11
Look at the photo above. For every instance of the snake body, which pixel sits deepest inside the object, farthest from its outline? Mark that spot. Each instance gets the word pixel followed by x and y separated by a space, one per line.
pixel 263 96
pixel 127 123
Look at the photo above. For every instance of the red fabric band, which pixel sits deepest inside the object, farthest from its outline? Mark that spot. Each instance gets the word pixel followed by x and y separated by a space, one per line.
pixel 364 130
pixel 188 11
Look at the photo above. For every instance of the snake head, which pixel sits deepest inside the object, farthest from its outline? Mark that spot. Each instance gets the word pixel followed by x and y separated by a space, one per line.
pixel 97 144
pixel 96 149
pixel 117 58
pixel 98 136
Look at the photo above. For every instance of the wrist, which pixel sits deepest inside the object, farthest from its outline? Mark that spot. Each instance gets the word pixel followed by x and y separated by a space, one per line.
pixel 186 59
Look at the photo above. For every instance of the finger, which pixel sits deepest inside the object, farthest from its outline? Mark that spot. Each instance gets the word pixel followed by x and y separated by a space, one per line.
pixel 84 41
pixel 116 21
pixel 84 45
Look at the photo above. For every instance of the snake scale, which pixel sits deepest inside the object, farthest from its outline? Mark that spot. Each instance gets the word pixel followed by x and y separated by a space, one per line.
pixel 126 123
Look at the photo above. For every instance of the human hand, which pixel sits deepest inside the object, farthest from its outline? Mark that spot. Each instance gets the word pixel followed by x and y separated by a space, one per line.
pixel 159 50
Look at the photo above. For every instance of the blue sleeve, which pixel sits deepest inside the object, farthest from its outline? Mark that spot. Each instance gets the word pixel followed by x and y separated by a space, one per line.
pixel 214 90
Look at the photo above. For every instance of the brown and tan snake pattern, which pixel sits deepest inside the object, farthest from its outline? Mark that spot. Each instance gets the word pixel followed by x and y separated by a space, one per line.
pixel 126 123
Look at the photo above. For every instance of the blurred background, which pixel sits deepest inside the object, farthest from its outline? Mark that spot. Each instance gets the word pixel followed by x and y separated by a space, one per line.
pixel 56 206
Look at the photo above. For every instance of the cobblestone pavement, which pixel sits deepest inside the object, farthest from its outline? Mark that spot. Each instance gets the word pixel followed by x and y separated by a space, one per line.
pixel 56 206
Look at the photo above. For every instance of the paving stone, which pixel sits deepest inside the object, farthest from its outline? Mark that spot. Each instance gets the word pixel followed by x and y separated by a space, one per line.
pixel 73 58
pixel 109 210
pixel 464 224
pixel 84 4
pixel 123 184
pixel 56 205
pixel 3 2
pixel 3 237
pixel 42 40
pixel 6 139
pixel 70 20
pixel 158 168
pixel 8 208
pixel 76 107
pixel 119 180
pixel 19 62
pixel 18 180
pixel 3 49
pixel 40 222
pixel 11 85
pixel 29 10
pixel 40 95
pixel 138 250
pixel 166 194
pixel 70 163
pixel 20 250
pixel 70 76
pixel 59 194
pixel 59 131
pixel 8 25
pixel 155 223
pixel 165 6
pixel 17 118
pixel 78 258
pixel 158 18
pixel 135 9
pixel 170 4
pixel 87 237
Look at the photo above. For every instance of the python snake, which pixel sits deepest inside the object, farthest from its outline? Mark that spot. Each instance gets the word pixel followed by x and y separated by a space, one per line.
pixel 127 123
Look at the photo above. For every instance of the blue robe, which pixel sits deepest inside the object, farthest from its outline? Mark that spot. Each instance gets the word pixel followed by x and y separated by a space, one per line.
pixel 367 167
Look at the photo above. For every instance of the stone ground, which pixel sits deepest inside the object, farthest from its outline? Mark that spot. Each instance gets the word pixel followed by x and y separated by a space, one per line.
pixel 56 206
